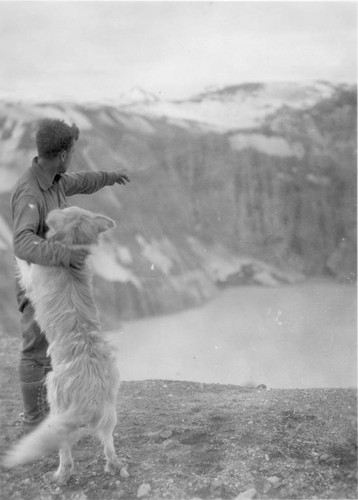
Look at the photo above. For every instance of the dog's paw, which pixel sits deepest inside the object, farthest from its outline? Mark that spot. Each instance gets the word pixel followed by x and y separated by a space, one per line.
pixel 60 478
pixel 49 477
pixel 114 466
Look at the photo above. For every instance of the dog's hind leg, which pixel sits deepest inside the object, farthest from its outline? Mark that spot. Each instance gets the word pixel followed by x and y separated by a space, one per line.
pixel 64 471
pixel 105 434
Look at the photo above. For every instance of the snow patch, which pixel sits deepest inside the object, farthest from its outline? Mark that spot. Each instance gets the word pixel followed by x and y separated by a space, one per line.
pixel 275 146
pixel 80 119
pixel 105 263
pixel 225 268
pixel 124 255
pixel 133 122
pixel 135 95
pixel 154 253
pixel 318 180
pixel 16 131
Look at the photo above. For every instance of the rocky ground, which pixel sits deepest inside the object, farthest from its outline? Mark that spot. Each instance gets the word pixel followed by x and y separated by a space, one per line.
pixel 183 440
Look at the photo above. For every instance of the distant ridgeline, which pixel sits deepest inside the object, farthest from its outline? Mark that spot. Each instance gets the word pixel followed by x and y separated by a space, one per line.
pixel 248 184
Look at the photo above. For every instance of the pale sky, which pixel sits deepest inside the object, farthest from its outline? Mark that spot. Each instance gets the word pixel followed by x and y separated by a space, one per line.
pixel 95 50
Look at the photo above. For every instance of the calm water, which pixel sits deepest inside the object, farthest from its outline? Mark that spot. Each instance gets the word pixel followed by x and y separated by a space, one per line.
pixel 288 337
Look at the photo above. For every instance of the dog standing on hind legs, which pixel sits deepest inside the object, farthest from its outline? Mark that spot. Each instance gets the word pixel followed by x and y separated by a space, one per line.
pixel 82 387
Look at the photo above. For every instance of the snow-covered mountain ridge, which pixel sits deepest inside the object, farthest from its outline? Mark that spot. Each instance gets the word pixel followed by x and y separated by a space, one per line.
pixel 237 107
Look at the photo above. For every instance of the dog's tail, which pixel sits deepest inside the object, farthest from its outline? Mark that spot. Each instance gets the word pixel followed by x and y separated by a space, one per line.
pixel 48 436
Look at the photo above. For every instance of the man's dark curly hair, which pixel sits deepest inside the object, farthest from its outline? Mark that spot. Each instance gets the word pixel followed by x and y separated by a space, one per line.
pixel 54 136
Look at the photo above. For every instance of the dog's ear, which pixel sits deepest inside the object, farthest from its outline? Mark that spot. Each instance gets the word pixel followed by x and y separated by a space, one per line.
pixel 103 223
pixel 55 220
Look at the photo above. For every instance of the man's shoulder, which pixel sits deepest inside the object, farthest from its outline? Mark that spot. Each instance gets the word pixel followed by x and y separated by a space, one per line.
pixel 26 185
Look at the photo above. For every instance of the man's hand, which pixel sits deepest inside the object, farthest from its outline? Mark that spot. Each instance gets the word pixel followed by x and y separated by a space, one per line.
pixel 78 258
pixel 122 176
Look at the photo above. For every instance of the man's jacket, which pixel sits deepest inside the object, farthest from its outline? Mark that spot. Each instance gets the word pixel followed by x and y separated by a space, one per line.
pixel 35 195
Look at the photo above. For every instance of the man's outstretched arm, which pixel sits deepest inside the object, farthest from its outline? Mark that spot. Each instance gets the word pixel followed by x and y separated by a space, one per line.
pixel 90 182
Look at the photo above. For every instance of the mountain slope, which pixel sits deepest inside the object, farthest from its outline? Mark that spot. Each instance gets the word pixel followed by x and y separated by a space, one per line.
pixel 264 198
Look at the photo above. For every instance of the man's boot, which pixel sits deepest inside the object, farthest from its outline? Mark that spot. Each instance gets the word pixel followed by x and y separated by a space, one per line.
pixel 35 404
pixel 34 393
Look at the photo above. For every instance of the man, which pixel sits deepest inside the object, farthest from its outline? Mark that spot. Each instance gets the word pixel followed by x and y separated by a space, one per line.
pixel 44 187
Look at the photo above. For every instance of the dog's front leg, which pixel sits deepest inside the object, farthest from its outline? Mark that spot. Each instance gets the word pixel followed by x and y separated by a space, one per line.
pixel 113 465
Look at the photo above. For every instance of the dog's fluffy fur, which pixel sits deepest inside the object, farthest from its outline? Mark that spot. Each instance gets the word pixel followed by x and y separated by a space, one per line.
pixel 82 388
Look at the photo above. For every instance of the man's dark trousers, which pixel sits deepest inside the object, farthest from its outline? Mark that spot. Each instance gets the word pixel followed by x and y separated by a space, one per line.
pixel 34 365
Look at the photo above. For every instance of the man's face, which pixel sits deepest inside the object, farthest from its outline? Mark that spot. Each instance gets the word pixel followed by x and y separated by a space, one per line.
pixel 65 160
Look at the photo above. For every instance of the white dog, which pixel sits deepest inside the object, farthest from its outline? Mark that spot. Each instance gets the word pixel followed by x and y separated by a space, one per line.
pixel 83 386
